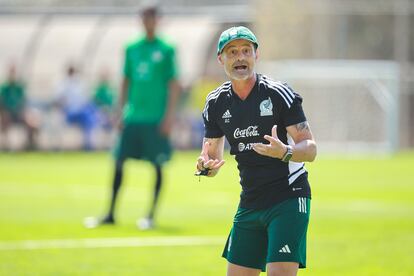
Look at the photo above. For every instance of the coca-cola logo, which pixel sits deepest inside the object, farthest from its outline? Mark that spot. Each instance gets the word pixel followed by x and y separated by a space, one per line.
pixel 250 131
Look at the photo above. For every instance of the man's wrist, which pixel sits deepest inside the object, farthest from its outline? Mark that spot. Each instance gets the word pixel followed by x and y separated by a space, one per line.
pixel 288 154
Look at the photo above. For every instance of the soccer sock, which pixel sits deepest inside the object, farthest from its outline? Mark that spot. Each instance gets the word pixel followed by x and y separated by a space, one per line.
pixel 157 189
pixel 116 185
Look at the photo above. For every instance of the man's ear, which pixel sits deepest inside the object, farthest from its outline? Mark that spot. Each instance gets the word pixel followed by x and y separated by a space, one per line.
pixel 257 54
pixel 220 59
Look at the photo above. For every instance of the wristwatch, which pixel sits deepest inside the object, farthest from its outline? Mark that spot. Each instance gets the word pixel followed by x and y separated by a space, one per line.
pixel 288 154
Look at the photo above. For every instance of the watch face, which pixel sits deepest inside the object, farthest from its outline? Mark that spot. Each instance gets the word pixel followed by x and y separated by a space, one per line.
pixel 288 155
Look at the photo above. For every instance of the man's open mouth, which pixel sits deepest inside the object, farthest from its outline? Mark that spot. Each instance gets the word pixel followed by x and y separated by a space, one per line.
pixel 240 67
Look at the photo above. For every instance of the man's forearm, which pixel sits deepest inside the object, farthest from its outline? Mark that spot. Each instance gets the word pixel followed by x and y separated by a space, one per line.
pixel 216 147
pixel 123 93
pixel 216 151
pixel 175 91
pixel 304 151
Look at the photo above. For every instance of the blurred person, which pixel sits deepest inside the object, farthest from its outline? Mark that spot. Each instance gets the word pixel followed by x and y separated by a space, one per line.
pixel 14 108
pixel 269 135
pixel 104 100
pixel 148 99
pixel 76 105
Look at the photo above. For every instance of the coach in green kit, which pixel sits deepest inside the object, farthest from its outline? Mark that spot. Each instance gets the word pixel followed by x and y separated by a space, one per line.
pixel 269 135
pixel 148 98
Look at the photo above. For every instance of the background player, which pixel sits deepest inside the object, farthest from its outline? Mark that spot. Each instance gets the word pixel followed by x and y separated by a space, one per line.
pixel 149 94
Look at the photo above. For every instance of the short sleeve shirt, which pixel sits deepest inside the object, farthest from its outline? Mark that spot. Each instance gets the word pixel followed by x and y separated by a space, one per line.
pixel 104 95
pixel 264 180
pixel 12 97
pixel 149 67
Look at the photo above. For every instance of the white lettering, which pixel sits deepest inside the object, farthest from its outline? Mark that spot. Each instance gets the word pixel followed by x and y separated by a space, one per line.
pixel 249 146
pixel 250 131
pixel 244 147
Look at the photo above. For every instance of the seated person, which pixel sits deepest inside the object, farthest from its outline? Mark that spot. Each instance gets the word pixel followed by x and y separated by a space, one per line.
pixel 104 100
pixel 76 106
pixel 13 107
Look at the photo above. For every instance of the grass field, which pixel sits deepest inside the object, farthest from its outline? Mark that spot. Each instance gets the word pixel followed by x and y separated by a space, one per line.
pixel 362 220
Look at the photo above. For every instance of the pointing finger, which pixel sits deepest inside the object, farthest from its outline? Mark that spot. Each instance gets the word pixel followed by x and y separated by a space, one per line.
pixel 274 131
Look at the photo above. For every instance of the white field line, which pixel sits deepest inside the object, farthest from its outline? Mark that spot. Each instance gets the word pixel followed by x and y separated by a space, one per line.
pixel 112 242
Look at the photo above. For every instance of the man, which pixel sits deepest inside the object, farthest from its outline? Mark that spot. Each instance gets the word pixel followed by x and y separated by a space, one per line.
pixel 13 107
pixel 267 130
pixel 104 100
pixel 76 105
pixel 149 95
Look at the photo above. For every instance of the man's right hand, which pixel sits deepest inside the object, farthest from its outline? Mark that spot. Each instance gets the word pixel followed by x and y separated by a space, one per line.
pixel 205 163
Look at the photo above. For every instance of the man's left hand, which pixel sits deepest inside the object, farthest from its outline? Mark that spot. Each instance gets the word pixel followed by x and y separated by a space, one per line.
pixel 166 126
pixel 275 149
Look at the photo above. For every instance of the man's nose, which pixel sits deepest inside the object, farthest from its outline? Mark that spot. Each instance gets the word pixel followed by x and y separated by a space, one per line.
pixel 240 56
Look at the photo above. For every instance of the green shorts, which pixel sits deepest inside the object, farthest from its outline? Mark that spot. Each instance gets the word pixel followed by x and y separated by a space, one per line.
pixel 143 141
pixel 276 234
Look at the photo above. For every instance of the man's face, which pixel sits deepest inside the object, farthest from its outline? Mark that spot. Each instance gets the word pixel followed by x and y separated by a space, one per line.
pixel 149 21
pixel 12 74
pixel 239 59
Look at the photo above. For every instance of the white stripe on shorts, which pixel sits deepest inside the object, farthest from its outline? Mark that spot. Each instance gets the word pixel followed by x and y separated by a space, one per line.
pixel 302 204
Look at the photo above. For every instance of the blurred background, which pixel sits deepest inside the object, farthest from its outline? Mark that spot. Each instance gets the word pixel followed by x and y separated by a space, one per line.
pixel 351 60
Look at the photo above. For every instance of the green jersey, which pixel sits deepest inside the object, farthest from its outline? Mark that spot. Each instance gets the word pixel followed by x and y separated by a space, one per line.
pixel 104 95
pixel 149 67
pixel 12 97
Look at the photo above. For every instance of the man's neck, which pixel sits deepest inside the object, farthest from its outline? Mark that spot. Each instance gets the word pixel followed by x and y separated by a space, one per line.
pixel 243 87
pixel 150 36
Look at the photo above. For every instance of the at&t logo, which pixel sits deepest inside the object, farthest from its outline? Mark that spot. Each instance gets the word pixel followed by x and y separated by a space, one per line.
pixel 244 147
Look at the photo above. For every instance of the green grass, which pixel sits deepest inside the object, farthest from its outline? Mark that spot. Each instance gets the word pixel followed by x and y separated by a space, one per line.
pixel 362 220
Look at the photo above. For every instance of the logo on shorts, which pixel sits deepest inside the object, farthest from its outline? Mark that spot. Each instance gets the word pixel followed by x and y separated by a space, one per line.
pixel 285 249
pixel 302 205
